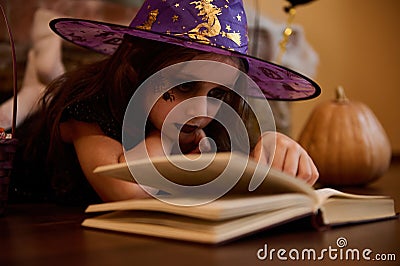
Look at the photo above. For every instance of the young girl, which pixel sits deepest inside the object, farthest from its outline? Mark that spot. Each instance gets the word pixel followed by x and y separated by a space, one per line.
pixel 81 120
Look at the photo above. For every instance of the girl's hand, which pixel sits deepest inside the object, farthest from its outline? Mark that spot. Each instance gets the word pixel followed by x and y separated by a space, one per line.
pixel 195 143
pixel 288 156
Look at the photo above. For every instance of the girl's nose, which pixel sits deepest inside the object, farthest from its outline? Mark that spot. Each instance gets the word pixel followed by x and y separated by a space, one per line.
pixel 197 106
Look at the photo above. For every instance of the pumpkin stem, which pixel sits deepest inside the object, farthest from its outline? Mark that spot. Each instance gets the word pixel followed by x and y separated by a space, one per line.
pixel 340 95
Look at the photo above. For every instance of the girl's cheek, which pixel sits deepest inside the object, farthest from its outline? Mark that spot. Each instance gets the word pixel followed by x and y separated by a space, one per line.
pixel 213 107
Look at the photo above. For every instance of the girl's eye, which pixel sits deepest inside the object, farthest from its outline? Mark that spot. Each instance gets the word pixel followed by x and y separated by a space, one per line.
pixel 218 93
pixel 185 87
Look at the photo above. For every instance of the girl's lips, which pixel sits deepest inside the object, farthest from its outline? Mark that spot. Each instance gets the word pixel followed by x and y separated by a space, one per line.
pixel 186 128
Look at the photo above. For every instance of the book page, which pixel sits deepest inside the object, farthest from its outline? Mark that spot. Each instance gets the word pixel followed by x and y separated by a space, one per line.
pixel 233 171
pixel 325 193
pixel 224 208
pixel 337 207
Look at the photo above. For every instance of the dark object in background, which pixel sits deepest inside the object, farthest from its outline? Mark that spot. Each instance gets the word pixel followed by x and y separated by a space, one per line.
pixel 7 151
pixel 8 143
pixel 294 3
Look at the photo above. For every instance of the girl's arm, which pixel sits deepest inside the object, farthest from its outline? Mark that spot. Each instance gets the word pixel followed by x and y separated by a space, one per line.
pixel 94 148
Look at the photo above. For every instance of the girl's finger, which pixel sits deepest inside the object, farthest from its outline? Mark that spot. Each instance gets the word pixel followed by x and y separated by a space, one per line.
pixel 278 160
pixel 200 142
pixel 291 161
pixel 307 169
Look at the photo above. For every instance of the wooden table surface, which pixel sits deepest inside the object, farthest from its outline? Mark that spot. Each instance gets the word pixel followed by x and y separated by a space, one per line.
pixel 46 234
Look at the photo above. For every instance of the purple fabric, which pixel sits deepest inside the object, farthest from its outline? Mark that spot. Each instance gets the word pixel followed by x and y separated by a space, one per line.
pixel 217 26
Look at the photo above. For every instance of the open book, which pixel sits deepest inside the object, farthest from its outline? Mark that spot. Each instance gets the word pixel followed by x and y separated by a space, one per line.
pixel 276 199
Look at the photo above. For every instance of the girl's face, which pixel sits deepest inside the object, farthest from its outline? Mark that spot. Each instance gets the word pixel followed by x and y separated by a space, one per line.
pixel 189 107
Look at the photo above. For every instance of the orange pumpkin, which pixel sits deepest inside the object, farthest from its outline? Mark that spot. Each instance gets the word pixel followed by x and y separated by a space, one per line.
pixel 346 141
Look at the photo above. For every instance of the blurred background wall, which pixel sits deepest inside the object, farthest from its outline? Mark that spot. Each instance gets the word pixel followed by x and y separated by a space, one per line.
pixel 356 42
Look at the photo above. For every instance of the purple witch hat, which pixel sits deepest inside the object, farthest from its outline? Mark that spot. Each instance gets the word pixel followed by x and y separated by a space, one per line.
pixel 216 26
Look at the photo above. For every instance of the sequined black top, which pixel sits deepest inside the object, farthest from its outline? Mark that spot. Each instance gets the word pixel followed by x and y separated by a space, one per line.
pixel 95 110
